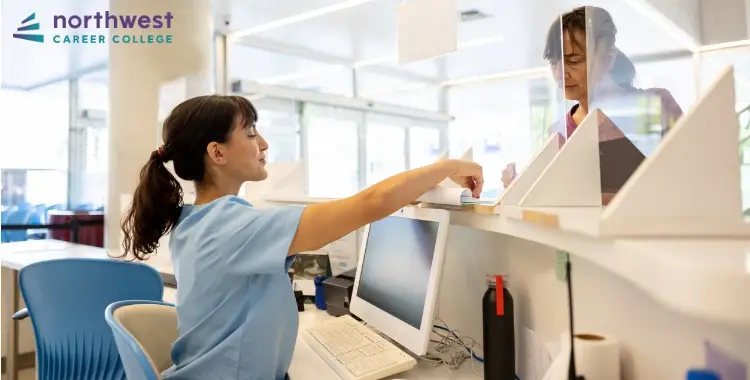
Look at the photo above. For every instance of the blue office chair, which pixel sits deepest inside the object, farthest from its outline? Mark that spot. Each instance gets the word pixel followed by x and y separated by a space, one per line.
pixel 51 208
pixel 19 216
pixel 83 207
pixel 144 332
pixel 36 217
pixel 4 215
pixel 66 300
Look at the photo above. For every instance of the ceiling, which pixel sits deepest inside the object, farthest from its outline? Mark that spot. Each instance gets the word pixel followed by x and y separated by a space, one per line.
pixel 510 38
pixel 317 52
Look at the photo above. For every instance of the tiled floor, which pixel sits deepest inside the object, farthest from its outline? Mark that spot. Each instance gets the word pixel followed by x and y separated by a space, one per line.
pixel 27 374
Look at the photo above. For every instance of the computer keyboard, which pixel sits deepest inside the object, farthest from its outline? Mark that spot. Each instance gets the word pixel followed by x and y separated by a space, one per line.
pixel 355 351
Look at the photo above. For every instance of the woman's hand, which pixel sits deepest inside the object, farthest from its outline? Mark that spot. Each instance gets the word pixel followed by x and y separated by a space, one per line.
pixel 468 175
pixel 509 174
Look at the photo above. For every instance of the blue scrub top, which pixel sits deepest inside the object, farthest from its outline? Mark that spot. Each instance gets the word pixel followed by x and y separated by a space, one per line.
pixel 237 317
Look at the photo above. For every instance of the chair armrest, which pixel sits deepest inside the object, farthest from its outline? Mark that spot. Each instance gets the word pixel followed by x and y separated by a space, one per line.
pixel 21 314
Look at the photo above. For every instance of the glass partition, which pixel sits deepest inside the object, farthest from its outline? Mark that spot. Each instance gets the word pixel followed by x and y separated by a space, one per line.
pixel 505 123
pixel 507 98
pixel 712 63
pixel 635 117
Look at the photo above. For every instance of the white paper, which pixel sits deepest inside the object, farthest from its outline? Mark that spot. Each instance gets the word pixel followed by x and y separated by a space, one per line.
pixel 445 195
pixel 538 358
pixel 426 29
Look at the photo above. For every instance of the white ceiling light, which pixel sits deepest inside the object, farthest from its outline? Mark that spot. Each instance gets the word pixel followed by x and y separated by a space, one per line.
pixel 662 21
pixel 300 75
pixel 538 72
pixel 370 62
pixel 298 17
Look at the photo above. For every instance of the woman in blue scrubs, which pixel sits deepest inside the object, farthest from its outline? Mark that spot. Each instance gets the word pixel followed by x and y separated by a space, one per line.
pixel 237 317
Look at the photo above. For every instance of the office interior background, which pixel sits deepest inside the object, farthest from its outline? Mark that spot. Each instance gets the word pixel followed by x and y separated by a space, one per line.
pixel 301 63
pixel 325 77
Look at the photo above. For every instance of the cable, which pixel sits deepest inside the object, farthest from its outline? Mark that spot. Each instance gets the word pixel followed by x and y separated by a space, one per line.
pixel 452 349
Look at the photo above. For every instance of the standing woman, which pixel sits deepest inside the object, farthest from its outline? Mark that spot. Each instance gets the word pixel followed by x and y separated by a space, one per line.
pixel 612 73
pixel 237 317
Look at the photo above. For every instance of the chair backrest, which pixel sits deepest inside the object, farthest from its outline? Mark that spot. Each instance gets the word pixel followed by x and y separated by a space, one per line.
pixel 144 332
pixel 66 300
pixel 19 216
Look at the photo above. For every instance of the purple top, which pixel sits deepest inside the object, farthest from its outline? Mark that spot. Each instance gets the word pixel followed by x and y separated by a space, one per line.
pixel 671 111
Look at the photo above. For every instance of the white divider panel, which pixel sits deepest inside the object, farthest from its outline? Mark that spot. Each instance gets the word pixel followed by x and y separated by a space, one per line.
pixel 573 178
pixel 690 186
pixel 521 185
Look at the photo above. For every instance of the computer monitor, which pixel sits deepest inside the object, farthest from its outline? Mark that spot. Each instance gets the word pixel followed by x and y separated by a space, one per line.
pixel 400 263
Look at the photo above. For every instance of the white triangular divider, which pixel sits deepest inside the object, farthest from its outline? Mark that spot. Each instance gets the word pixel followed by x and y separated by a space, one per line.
pixel 285 179
pixel 691 185
pixel 517 189
pixel 572 179
pixel 444 156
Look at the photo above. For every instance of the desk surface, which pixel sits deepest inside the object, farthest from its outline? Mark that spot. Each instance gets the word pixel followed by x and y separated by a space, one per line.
pixel 306 364
pixel 17 255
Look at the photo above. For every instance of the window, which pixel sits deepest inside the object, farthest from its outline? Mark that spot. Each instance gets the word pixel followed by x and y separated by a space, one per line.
pixel 34 144
pixel 333 151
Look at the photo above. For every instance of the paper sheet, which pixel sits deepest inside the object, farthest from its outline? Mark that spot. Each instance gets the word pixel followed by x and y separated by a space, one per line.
pixel 445 195
pixel 538 358
pixel 426 29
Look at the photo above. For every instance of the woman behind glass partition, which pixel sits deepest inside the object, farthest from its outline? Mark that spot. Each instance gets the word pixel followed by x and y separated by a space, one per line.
pixel 612 72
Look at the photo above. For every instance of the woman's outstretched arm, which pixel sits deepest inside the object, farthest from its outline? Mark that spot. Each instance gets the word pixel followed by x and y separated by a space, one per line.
pixel 323 223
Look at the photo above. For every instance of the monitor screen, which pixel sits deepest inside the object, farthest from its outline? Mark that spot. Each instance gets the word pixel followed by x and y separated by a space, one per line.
pixel 396 267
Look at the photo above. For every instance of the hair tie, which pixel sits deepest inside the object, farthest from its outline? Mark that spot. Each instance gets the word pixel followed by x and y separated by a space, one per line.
pixel 160 153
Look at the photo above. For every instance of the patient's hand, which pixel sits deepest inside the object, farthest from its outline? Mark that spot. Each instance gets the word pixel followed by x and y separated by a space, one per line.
pixel 509 174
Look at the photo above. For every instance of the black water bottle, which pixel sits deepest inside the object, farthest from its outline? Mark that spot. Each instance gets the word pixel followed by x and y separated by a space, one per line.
pixel 498 330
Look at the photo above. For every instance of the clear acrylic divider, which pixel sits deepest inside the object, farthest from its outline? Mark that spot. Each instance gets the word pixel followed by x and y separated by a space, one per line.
pixel 711 64
pixel 532 104
pixel 634 118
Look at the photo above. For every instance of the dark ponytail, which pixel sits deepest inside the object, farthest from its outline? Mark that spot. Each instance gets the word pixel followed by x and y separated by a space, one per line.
pixel 189 128
pixel 623 70
pixel 155 210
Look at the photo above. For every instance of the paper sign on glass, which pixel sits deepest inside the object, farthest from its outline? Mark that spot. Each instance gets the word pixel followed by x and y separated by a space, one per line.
pixel 426 29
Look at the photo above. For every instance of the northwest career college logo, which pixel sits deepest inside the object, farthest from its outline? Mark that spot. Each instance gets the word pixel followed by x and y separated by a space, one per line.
pixel 25 27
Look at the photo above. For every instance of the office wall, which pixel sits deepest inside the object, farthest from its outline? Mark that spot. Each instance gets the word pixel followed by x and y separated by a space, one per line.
pixel 657 342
